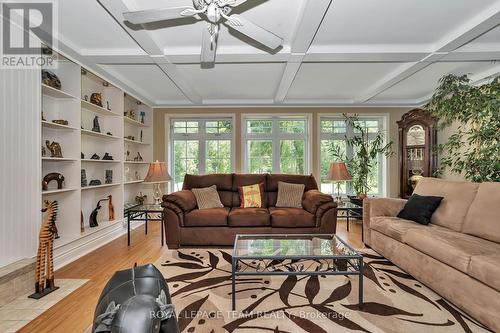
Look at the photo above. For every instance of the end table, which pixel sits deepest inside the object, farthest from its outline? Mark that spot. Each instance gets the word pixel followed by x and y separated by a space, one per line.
pixel 141 213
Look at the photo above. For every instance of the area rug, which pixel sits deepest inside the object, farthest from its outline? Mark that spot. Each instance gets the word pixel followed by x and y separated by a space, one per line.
pixel 200 285
pixel 22 310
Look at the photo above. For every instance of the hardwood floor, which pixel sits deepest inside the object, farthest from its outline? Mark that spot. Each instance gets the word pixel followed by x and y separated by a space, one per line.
pixel 75 312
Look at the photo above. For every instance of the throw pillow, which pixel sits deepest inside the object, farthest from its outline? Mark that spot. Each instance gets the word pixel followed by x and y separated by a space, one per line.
pixel 252 196
pixel 290 195
pixel 207 197
pixel 420 208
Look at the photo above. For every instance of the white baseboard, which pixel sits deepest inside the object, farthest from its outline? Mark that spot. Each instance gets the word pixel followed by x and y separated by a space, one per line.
pixel 80 247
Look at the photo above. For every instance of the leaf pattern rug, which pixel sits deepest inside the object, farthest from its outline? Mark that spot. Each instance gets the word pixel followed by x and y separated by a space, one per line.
pixel 200 285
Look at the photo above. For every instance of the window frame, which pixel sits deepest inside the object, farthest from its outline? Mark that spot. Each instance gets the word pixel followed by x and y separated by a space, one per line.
pixel 275 137
pixel 202 137
pixel 384 162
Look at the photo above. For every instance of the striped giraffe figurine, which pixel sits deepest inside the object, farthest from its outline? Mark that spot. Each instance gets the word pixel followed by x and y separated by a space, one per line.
pixel 44 273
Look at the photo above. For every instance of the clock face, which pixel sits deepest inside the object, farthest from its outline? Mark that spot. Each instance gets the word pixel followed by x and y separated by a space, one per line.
pixel 415 136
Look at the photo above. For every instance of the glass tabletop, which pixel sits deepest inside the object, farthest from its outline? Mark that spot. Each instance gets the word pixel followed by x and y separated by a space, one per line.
pixel 146 208
pixel 347 205
pixel 291 246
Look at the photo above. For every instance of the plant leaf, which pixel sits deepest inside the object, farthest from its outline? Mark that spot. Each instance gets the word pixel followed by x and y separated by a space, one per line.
pixel 185 317
pixel 200 284
pixel 305 324
pixel 312 288
pixel 286 287
pixel 188 257
pixel 214 260
pixel 339 293
pixel 338 318
pixel 381 309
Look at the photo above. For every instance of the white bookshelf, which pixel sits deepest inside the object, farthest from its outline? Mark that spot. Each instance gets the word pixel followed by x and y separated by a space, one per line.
pixel 72 103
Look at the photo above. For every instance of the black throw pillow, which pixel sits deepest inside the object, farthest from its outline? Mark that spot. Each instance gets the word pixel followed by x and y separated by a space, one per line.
pixel 420 208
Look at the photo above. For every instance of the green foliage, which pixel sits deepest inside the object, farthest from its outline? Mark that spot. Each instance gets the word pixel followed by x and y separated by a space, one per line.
pixel 367 147
pixel 474 149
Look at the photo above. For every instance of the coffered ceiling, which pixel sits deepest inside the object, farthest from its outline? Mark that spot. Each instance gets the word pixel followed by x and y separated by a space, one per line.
pixel 340 52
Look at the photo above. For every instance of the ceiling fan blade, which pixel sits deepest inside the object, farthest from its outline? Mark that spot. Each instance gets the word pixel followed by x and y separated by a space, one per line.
pixel 252 30
pixel 208 46
pixel 236 3
pixel 155 15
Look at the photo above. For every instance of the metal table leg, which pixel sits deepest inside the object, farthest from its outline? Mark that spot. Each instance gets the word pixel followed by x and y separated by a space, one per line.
pixel 233 284
pixel 161 222
pixel 128 228
pixel 360 290
pixel 146 223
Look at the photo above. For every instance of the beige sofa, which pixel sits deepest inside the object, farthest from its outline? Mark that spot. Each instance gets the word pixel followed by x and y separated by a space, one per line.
pixel 457 255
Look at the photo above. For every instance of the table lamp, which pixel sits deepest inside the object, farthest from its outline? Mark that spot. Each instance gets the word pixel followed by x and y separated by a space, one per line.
pixel 157 174
pixel 338 173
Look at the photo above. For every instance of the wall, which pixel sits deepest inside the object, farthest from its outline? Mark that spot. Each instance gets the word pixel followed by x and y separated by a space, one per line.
pixel 394 115
pixel 20 169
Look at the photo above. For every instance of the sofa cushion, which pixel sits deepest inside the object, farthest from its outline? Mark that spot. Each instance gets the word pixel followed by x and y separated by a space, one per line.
pixel 486 268
pixel 212 217
pixel 448 246
pixel 291 218
pixel 252 196
pixel 224 182
pixel 393 227
pixel 273 180
pixel 483 217
pixel 458 197
pixel 244 180
pixel 207 197
pixel 290 195
pixel 249 217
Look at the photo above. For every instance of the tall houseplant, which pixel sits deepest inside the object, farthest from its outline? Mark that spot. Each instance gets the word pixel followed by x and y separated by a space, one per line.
pixel 366 147
pixel 474 148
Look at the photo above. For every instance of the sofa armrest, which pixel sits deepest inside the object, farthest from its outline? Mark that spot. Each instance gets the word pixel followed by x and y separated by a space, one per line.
pixel 373 207
pixel 184 199
pixel 313 199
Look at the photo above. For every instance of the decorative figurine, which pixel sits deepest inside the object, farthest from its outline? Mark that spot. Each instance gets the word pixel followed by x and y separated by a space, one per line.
pixel 107 157
pixel 127 154
pixel 95 182
pixel 138 158
pixel 107 106
pixel 143 114
pixel 95 157
pixel 140 199
pixel 60 122
pixel 141 135
pixel 44 151
pixel 137 176
pixel 82 155
pixel 111 208
pixel 109 133
pixel 86 98
pixel 130 137
pixel 96 99
pixel 44 272
pixel 50 79
pixel 132 114
pixel 82 226
pixel 127 173
pixel 93 216
pixel 109 177
pixel 83 181
pixel 55 149
pixel 96 127
pixel 50 177
pixel 43 117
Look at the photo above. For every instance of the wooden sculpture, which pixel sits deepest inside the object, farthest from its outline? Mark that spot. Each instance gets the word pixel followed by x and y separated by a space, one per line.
pixel 93 216
pixel 44 273
pixel 54 148
pixel 111 208
pixel 50 177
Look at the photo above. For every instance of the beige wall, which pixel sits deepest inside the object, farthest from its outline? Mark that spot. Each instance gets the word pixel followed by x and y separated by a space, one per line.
pixel 394 114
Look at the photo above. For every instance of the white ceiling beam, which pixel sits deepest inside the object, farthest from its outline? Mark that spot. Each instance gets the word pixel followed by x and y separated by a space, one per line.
pixel 312 14
pixel 472 29
pixel 144 39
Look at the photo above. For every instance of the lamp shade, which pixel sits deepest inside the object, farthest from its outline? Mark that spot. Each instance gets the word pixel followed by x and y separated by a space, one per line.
pixel 157 173
pixel 338 172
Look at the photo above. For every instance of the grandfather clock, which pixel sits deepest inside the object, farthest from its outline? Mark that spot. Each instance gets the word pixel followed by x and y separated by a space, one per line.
pixel 417 149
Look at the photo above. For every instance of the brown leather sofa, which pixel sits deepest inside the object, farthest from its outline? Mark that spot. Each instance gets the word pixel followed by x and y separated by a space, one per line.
pixel 185 224
pixel 457 255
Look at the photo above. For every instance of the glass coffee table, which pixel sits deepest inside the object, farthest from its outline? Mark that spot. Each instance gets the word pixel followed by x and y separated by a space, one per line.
pixel 294 255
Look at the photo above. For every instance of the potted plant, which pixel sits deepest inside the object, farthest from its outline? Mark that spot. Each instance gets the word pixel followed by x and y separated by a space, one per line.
pixel 366 147
pixel 473 149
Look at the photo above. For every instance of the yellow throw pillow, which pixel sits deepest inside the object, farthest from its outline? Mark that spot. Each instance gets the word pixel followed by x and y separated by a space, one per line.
pixel 252 196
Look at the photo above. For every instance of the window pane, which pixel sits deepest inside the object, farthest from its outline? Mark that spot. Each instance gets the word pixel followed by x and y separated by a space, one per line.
pixel 218 127
pixel 292 154
pixel 333 126
pixel 259 126
pixel 184 127
pixel 260 156
pixel 218 158
pixel 186 160
pixel 327 155
pixel 292 126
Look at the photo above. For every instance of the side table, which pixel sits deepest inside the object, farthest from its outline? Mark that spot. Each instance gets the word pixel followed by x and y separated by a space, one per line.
pixel 352 211
pixel 141 213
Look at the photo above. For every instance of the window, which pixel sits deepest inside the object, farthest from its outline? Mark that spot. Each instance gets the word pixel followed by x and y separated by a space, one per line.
pixel 334 133
pixel 200 146
pixel 277 144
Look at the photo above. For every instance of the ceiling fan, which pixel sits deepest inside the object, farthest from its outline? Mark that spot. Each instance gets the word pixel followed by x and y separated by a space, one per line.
pixel 214 12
